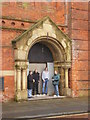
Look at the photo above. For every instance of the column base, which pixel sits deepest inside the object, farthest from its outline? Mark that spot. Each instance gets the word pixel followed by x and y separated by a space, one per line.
pixel 61 88
pixel 21 95
pixel 67 92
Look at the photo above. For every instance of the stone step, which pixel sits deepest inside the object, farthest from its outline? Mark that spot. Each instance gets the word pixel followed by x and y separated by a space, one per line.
pixel 45 97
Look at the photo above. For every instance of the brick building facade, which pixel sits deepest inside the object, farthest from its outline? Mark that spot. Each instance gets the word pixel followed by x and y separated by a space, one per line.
pixel 70 18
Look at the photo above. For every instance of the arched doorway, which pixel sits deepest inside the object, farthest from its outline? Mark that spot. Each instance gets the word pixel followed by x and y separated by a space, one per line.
pixel 39 57
pixel 40 53
pixel 47 33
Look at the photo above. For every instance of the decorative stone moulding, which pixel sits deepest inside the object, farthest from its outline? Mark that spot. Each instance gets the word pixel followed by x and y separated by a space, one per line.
pixel 48 33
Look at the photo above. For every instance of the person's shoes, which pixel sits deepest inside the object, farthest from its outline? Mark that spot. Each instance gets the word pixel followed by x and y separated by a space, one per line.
pixel 30 97
pixel 37 95
pixel 44 94
pixel 58 96
pixel 40 94
pixel 55 96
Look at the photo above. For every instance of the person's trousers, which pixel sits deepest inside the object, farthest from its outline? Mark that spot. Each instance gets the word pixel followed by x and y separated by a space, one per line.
pixel 35 88
pixel 56 90
pixel 29 92
pixel 45 87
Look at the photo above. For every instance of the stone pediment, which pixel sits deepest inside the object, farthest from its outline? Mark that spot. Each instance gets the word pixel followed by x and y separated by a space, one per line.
pixel 42 28
pixel 46 31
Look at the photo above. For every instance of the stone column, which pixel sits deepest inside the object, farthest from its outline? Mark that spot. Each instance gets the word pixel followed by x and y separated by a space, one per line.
pixel 18 84
pixel 21 81
pixel 24 82
pixel 67 90
pixel 18 79
pixel 24 79
pixel 62 81
pixel 15 79
pixel 66 78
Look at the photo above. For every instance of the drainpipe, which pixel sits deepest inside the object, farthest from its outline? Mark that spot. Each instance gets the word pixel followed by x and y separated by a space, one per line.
pixel 68 16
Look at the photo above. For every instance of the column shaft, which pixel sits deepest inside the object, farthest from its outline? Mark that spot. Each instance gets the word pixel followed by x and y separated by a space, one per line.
pixel 15 78
pixel 18 79
pixel 62 82
pixel 66 78
pixel 23 79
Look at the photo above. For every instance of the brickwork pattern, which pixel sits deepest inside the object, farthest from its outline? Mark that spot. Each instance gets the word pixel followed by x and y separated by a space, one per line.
pixel 77 29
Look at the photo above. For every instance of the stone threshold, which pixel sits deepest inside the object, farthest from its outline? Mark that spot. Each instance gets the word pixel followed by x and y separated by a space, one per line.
pixel 45 97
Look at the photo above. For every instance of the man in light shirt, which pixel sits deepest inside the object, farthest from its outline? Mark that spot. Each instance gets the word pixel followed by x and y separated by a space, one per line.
pixel 45 78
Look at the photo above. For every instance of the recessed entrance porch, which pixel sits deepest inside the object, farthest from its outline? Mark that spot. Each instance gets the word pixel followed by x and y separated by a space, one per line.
pixel 44 32
pixel 39 57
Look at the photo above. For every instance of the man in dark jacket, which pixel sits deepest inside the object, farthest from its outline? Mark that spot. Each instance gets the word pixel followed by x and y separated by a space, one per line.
pixel 30 84
pixel 35 84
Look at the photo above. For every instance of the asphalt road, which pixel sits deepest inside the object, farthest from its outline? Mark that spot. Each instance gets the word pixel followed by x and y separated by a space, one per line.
pixel 44 108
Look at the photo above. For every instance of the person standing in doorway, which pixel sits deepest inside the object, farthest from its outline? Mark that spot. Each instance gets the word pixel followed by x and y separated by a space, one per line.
pixel 30 81
pixel 35 84
pixel 55 82
pixel 45 78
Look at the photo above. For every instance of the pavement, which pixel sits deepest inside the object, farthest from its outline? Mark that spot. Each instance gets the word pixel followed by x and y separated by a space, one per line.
pixel 41 108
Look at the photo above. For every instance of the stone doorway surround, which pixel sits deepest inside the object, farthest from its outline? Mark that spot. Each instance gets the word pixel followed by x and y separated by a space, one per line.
pixel 44 31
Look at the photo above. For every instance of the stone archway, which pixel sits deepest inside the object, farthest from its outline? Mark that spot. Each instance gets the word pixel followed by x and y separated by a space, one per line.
pixel 46 32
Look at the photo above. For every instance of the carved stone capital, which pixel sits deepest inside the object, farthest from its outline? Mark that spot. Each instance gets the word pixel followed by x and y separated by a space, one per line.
pixel 63 65
pixel 21 65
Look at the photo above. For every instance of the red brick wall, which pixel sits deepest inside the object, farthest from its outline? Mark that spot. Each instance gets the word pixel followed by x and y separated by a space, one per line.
pixel 31 11
pixel 9 91
pixel 79 35
pixel 7 50
pixel 35 10
pixel 77 29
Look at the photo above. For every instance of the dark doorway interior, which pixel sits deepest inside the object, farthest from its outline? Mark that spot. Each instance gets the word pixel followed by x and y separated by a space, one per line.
pixel 39 53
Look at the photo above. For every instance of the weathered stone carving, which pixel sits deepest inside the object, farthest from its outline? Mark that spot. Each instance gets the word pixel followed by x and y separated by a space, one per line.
pixel 57 42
